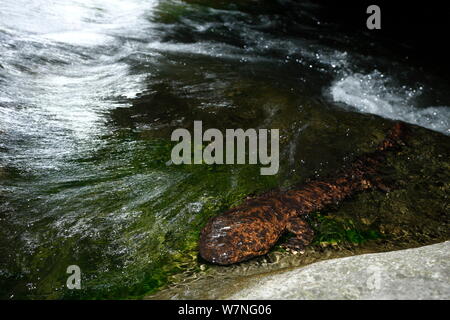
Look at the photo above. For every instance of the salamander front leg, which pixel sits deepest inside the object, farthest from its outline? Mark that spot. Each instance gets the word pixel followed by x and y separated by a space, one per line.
pixel 303 234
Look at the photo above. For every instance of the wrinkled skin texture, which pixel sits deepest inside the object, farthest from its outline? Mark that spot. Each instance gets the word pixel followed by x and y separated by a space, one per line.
pixel 252 228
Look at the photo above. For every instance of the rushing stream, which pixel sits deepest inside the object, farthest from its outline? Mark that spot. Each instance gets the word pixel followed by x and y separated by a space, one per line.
pixel 90 92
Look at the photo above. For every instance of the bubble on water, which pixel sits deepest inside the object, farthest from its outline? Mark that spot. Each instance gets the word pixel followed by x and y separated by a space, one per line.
pixel 195 207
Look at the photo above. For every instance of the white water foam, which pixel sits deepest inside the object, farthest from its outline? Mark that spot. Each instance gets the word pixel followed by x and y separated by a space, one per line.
pixel 371 93
pixel 63 66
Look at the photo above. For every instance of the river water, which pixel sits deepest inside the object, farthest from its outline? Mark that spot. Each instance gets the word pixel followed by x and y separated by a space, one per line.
pixel 90 92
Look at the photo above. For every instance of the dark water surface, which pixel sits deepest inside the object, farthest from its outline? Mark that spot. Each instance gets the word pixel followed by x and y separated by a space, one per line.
pixel 90 92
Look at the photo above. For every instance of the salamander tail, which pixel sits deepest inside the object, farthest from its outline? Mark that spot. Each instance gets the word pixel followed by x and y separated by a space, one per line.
pixel 395 138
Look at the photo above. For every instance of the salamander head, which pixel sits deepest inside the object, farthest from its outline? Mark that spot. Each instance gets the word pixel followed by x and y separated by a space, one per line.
pixel 217 243
pixel 226 239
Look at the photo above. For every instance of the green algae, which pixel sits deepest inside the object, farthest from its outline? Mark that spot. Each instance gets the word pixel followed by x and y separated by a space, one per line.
pixel 159 242
pixel 334 231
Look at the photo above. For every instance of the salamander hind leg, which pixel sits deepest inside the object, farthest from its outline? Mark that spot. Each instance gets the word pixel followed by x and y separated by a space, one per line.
pixel 302 231
pixel 378 183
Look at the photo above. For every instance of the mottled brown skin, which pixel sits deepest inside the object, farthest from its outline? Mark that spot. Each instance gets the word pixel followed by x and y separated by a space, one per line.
pixel 252 228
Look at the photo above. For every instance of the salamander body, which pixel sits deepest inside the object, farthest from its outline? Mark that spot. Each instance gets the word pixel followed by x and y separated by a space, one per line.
pixel 252 228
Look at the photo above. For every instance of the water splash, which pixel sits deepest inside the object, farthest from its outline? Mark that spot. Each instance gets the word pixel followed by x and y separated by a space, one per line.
pixel 372 93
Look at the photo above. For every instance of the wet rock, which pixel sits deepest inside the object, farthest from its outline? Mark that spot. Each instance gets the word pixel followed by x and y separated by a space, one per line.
pixel 420 273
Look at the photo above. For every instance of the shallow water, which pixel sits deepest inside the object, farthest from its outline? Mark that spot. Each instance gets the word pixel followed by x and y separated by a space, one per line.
pixel 90 92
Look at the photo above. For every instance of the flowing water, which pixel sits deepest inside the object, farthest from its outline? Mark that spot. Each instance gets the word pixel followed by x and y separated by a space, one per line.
pixel 90 92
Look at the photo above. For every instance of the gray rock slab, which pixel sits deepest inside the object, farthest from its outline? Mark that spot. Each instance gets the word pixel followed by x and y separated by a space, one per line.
pixel 420 273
